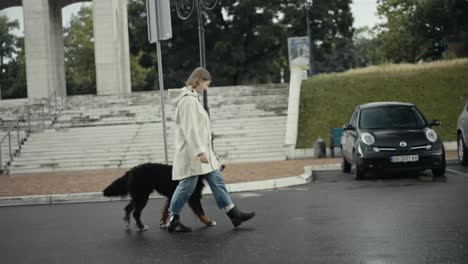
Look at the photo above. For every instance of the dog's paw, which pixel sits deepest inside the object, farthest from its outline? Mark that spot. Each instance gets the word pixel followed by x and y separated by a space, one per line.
pixel 213 223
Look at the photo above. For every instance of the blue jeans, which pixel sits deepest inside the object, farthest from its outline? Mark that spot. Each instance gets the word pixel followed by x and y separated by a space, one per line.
pixel 186 187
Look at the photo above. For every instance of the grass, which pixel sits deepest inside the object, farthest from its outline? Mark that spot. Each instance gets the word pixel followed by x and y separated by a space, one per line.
pixel 438 89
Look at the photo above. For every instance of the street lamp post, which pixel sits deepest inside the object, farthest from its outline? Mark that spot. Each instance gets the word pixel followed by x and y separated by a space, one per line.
pixel 184 11
pixel 308 5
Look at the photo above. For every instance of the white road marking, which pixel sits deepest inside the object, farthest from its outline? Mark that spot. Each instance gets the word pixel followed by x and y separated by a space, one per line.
pixel 245 195
pixel 457 172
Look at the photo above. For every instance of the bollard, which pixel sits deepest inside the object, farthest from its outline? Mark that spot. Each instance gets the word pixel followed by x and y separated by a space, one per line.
pixel 319 148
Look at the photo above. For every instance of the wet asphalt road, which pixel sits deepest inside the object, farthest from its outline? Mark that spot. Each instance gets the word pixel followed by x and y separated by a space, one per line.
pixel 333 220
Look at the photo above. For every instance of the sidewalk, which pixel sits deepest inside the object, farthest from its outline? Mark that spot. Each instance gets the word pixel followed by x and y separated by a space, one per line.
pixel 94 181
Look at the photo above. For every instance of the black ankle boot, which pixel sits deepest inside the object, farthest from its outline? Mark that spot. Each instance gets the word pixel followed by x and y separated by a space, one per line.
pixel 237 217
pixel 176 225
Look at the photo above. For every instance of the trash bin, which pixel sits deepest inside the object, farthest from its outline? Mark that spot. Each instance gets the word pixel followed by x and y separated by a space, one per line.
pixel 319 148
pixel 335 139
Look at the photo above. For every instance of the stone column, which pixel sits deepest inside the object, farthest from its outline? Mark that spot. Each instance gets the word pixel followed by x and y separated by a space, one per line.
pixel 43 36
pixel 295 82
pixel 111 47
pixel 59 52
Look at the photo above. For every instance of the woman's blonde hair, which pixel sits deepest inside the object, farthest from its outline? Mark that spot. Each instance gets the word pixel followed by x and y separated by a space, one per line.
pixel 199 74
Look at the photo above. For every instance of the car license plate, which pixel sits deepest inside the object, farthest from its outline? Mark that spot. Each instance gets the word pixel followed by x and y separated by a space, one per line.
pixel 408 158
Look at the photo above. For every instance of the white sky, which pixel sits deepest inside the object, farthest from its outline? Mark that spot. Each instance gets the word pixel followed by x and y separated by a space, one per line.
pixel 17 13
pixel 364 11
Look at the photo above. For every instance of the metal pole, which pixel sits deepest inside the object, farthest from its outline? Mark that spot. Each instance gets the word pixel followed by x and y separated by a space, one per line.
pixel 17 132
pixel 201 41
pixel 29 119
pixel 161 87
pixel 161 92
pixel 42 117
pixel 1 163
pixel 55 105
pixel 311 61
pixel 201 34
pixel 9 144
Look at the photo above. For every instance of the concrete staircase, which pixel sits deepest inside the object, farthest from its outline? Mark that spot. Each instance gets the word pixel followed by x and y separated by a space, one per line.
pixel 97 132
pixel 18 118
pixel 10 146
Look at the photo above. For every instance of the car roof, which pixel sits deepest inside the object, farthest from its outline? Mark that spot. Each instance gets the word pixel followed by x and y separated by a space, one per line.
pixel 379 104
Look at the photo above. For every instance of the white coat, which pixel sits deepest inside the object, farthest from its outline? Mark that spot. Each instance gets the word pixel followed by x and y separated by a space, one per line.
pixel 193 136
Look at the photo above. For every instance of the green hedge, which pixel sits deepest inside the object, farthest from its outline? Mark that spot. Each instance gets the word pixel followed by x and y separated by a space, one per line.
pixel 438 89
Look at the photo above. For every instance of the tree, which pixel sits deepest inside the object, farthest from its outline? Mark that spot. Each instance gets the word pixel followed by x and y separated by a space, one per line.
pixel 420 29
pixel 367 47
pixel 242 43
pixel 8 49
pixel 14 82
pixel 331 32
pixel 80 69
pixel 246 41
pixel 139 73
pixel 439 23
pixel 142 53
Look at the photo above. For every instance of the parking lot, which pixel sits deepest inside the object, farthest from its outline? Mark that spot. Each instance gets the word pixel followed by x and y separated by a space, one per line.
pixel 335 219
pixel 453 168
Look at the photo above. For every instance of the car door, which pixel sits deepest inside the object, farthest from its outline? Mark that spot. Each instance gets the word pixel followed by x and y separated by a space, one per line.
pixel 353 134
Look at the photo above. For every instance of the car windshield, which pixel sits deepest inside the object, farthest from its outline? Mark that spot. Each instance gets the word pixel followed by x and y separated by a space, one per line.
pixel 391 117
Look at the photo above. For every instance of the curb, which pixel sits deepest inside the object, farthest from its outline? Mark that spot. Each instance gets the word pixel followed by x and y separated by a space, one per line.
pixel 304 178
pixel 307 177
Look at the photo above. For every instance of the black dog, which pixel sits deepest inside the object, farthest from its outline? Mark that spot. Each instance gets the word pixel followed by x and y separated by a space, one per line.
pixel 142 180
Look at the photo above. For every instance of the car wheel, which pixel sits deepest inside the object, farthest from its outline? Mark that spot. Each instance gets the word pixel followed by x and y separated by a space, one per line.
pixel 462 151
pixel 358 170
pixel 440 172
pixel 345 166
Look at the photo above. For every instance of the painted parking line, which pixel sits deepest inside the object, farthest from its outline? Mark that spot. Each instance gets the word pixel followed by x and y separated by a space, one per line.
pixel 457 172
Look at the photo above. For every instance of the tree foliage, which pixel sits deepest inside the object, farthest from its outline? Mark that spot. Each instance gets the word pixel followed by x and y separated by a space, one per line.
pixel 80 69
pixel 246 41
pixel 421 29
pixel 331 32
pixel 12 68
pixel 367 47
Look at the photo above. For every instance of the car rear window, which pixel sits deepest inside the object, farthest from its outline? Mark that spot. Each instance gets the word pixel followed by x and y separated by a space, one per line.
pixel 391 117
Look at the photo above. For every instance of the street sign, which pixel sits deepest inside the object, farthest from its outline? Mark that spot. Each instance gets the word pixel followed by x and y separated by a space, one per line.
pixel 298 51
pixel 158 14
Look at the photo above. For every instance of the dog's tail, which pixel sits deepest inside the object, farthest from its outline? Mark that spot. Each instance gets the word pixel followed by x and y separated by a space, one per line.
pixel 117 188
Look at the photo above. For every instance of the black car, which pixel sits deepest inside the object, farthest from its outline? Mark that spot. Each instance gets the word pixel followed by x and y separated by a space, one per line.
pixel 391 135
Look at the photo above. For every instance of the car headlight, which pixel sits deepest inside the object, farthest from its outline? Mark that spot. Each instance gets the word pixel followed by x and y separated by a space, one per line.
pixel 431 135
pixel 367 138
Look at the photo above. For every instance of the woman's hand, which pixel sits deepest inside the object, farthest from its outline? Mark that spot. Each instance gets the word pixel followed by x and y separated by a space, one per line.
pixel 203 158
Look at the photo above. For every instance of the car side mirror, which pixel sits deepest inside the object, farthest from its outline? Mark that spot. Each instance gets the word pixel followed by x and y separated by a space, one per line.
pixel 348 127
pixel 435 122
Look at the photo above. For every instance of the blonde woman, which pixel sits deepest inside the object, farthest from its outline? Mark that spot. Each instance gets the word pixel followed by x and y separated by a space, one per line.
pixel 194 156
